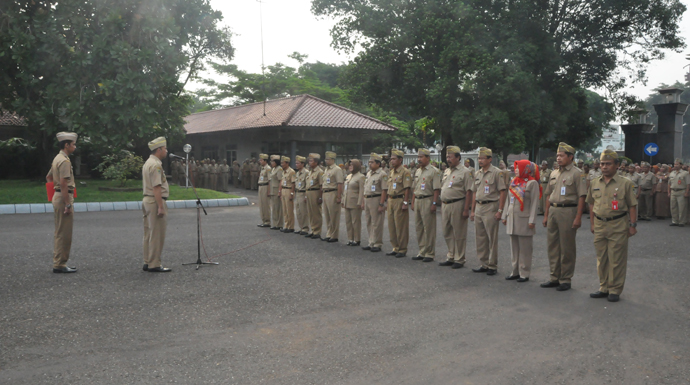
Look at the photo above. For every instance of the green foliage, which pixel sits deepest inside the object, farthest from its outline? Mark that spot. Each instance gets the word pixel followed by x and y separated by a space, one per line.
pixel 120 167
pixel 16 144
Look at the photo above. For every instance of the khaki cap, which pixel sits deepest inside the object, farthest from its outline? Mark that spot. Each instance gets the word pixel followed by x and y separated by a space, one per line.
pixel 301 159
pixel 452 150
pixel 678 160
pixel 330 155
pixel 483 151
pixel 314 155
pixel 423 151
pixel 263 156
pixel 644 164
pixel 398 153
pixel 285 159
pixel 275 157
pixel 156 143
pixel 608 155
pixel 375 156
pixel 71 136
pixel 565 147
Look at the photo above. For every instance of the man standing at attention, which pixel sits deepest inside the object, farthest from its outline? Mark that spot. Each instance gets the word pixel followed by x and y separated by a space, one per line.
pixel 398 194
pixel 155 210
pixel 456 195
pixel 332 187
pixel 427 185
pixel 314 196
pixel 301 195
pixel 264 192
pixel 647 182
pixel 374 200
pixel 678 192
pixel 565 204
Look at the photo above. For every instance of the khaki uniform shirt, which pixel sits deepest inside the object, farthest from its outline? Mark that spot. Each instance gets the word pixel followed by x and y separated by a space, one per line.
pixel 353 191
pixel 678 180
pixel 375 182
pixel 274 179
pixel 593 174
pixel 602 196
pixel 314 179
pixel 62 169
pixel 152 175
pixel 265 174
pixel 488 185
pixel 427 179
pixel 332 177
pixel 566 185
pixel 399 180
pixel 287 181
pixel 301 180
pixel 456 182
pixel 544 176
pixel 646 181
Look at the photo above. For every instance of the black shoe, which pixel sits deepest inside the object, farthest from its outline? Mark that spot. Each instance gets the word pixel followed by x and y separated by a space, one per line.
pixel 159 270
pixel 316 236
pixel 458 266
pixel 681 225
pixel 325 239
pixel 355 243
pixel 523 279
pixel 417 258
pixel 480 270
pixel 598 294
pixel 400 255
pixel 492 272
pixel 512 277
pixel 673 224
pixel 375 249
pixel 563 287
pixel 446 263
pixel 332 240
pixel 275 228
pixel 392 253
pixel 614 297
pixel 263 225
pixel 349 243
pixel 309 235
pixel 427 259
pixel 366 248
pixel 550 284
pixel 146 267
pixel 65 270
pixel 289 231
pixel 282 230
pixel 300 232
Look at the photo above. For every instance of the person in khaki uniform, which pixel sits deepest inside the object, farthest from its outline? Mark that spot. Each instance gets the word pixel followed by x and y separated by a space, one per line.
pixel 314 196
pixel 61 175
pixel 565 203
pixel 353 202
pixel 489 193
pixel 332 187
pixel 247 174
pixel 426 187
pixel 224 175
pixel 520 217
pixel 156 191
pixel 374 199
pixel 398 194
pixel 254 171
pixel 456 196
pixel 544 174
pixel 275 178
pixel 678 192
pixel 213 175
pixel 614 220
pixel 236 174
pixel 287 195
pixel 192 173
pixel 645 197
pixel 207 174
pixel 264 191
pixel 301 211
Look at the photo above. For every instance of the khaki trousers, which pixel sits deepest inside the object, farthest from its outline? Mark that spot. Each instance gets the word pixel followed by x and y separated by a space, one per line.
pixel 542 201
pixel 611 245
pixel 62 239
pixel 521 255
pixel 214 181
pixel 331 211
pixel 224 181
pixel 646 204
pixel 374 221
pixel 678 207
pixel 398 225
pixel 560 240
pixel 264 205
pixel 353 223
pixel 288 211
pixel 455 231
pixel 301 211
pixel 207 181
pixel 235 181
pixel 246 180
pixel 255 180
pixel 314 212
pixel 276 211
pixel 154 232
pixel 486 234
pixel 425 226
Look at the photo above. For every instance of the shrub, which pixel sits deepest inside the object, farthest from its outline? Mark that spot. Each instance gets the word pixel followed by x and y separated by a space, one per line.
pixel 121 167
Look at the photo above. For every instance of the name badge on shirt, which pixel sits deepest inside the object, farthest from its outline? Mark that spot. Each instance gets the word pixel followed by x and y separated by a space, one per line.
pixel 395 185
pixel 284 183
pixel 450 184
pixel 614 205
pixel 486 189
pixel 373 187
pixel 299 184
pixel 345 187
pixel 311 182
pixel 261 179
pixel 423 186
pixel 328 180
pixel 563 190
pixel 512 199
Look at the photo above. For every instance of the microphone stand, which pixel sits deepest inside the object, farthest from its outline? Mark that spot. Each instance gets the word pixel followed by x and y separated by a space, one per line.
pixel 199 207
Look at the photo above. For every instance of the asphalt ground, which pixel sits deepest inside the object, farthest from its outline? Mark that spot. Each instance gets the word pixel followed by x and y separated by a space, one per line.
pixel 283 309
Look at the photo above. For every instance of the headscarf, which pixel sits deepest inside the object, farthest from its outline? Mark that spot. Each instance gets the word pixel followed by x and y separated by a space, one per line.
pixel 525 171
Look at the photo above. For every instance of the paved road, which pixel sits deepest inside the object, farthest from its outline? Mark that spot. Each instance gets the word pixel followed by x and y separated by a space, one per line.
pixel 288 310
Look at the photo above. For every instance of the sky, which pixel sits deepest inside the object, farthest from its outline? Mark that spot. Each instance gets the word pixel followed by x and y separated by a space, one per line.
pixel 289 26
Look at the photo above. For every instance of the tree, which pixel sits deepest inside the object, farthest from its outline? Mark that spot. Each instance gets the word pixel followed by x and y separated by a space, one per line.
pixel 108 70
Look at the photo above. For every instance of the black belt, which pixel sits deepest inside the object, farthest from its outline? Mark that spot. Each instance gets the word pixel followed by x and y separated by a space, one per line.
pixel 329 190
pixel 422 196
pixel 151 196
pixel 301 191
pixel 646 189
pixel 485 202
pixel 314 189
pixel 263 184
pixel 68 191
pixel 452 201
pixel 372 196
pixel 395 197
pixel 611 218
pixel 563 204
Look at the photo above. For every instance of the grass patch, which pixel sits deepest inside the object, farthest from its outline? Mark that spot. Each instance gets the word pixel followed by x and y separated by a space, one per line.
pixel 27 191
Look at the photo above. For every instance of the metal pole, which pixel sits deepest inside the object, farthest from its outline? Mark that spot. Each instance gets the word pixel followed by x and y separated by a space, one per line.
pixel 187 172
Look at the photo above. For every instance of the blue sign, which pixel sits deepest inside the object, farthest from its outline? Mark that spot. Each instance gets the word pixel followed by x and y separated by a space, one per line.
pixel 651 149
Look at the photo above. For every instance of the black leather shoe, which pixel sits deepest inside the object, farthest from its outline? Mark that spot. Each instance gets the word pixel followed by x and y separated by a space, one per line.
pixel 392 253
pixel 366 248
pixel 480 270
pixel 492 272
pixel 375 249
pixel 146 267
pixel 400 255
pixel 446 263
pixel 523 279
pixel 549 284
pixel 598 294
pixel 355 243
pixel 316 236
pixel 159 270
pixel 65 270
pixel 427 259
pixel 457 266
pixel 349 243
pixel 263 225
pixel 275 228
pixel 512 277
pixel 332 240
pixel 310 235
pixel 282 230
pixel 563 287
pixel 325 239
pixel 300 233
pixel 673 224
pixel 289 231
pixel 417 258
pixel 614 298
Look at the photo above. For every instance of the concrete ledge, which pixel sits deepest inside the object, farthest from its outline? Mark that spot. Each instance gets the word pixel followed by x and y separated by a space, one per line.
pixel 80 207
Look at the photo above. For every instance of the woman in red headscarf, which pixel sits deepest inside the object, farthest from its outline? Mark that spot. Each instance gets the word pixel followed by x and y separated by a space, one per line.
pixel 520 216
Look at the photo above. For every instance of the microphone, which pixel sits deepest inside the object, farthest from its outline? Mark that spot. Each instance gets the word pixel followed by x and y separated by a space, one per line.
pixel 175 156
